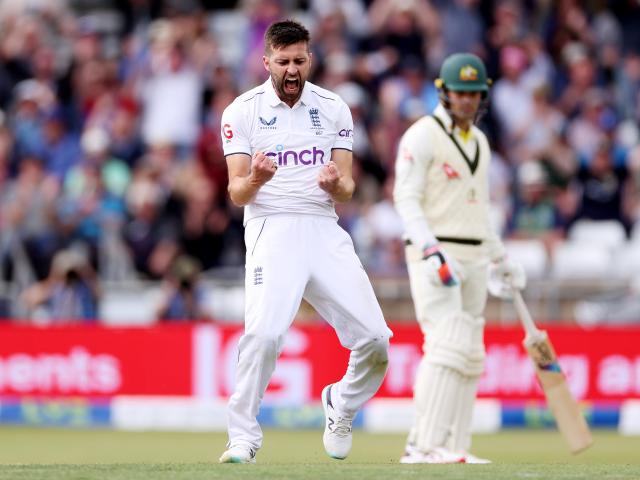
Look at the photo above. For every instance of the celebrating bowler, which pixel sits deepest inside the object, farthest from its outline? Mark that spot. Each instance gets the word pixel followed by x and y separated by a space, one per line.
pixel 288 148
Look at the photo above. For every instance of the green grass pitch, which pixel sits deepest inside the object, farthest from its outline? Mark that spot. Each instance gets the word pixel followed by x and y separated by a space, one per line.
pixel 54 454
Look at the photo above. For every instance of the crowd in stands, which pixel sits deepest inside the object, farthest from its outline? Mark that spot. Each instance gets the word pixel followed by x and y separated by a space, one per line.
pixel 111 164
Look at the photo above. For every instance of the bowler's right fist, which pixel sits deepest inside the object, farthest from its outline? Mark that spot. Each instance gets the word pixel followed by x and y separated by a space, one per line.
pixel 263 168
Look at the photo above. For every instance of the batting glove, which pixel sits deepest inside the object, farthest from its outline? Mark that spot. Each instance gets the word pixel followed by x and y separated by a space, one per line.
pixel 441 270
pixel 505 276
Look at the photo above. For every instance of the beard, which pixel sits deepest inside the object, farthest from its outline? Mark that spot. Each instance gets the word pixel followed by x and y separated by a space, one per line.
pixel 287 90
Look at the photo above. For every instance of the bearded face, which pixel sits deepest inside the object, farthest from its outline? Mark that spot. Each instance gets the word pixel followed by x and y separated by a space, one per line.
pixel 289 69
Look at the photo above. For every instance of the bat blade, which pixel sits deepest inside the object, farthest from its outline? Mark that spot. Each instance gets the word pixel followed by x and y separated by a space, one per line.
pixel 564 407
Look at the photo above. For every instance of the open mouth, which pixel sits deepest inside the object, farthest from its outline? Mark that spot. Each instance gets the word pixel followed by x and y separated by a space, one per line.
pixel 291 85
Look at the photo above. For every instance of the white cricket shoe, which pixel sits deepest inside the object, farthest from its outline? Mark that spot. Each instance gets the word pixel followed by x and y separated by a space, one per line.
pixel 337 431
pixel 238 454
pixel 436 455
pixel 470 458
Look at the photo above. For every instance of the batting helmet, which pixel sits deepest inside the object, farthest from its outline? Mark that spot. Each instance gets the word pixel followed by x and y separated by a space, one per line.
pixel 463 72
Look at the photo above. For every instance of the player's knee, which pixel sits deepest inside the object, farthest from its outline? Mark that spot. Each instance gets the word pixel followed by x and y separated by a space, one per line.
pixel 456 343
pixel 377 350
pixel 475 363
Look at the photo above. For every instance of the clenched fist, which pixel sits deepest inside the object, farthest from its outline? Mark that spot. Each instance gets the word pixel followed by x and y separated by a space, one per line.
pixel 263 168
pixel 329 177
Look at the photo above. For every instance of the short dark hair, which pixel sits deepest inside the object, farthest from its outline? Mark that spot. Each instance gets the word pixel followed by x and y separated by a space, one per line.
pixel 285 33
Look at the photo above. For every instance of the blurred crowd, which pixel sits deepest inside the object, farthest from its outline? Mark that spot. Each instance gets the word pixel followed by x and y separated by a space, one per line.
pixel 110 155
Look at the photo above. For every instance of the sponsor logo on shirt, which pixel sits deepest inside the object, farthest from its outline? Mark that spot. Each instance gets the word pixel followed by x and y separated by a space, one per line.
pixel 227 132
pixel 346 132
pixel 307 156
pixel 406 155
pixel 449 171
pixel 268 124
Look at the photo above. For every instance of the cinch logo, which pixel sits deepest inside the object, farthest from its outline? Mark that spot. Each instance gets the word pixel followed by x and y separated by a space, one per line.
pixel 346 132
pixel 304 157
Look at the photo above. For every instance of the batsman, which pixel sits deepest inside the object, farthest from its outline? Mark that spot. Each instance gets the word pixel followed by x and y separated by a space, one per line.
pixel 441 192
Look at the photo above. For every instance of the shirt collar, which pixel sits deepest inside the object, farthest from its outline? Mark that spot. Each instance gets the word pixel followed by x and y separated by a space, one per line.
pixel 442 114
pixel 274 99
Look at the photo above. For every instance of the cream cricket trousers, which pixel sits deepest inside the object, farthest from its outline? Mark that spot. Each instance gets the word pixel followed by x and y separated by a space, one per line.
pixel 290 257
pixel 451 319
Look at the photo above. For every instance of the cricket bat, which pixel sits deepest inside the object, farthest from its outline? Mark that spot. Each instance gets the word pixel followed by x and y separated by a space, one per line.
pixel 564 407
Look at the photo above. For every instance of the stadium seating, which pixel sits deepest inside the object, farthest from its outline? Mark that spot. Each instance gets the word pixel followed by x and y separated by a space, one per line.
pixel 531 254
pixel 581 261
pixel 626 260
pixel 601 233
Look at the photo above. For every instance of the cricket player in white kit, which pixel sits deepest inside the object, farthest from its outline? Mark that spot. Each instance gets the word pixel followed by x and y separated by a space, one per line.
pixel 288 148
pixel 442 194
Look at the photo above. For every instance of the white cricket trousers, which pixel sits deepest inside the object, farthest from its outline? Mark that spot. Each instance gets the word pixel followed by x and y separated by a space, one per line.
pixel 290 257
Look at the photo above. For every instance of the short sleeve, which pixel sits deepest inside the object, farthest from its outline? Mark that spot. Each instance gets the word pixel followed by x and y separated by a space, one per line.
pixel 344 128
pixel 234 131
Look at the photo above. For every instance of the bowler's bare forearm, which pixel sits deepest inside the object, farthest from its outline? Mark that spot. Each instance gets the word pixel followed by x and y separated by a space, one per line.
pixel 344 190
pixel 243 189
pixel 247 175
pixel 336 178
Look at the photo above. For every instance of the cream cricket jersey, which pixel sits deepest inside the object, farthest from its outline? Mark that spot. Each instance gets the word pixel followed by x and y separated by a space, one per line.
pixel 438 190
pixel 300 139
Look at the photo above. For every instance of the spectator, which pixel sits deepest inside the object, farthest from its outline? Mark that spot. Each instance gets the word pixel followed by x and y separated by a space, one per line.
pixel 534 214
pixel 183 296
pixel 170 91
pixel 61 147
pixel 512 97
pixel 125 140
pixel 149 235
pixel 538 137
pixel 590 128
pixel 581 77
pixel 206 230
pixel 602 186
pixel 29 210
pixel 69 294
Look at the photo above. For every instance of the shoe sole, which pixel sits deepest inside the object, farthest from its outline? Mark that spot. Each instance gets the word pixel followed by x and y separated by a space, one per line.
pixel 233 459
pixel 408 460
pixel 237 460
pixel 325 407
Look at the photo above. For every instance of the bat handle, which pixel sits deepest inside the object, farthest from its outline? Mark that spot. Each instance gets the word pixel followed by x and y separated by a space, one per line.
pixel 525 316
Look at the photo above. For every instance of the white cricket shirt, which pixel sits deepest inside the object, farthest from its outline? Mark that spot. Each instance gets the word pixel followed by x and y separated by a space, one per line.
pixel 438 190
pixel 300 139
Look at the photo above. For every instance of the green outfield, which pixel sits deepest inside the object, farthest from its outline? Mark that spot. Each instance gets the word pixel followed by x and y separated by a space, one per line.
pixel 54 454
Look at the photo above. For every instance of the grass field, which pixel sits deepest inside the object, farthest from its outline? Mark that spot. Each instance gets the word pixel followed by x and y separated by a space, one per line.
pixel 54 454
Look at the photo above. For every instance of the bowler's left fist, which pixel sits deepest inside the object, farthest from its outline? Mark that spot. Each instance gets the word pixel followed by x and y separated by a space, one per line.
pixel 329 177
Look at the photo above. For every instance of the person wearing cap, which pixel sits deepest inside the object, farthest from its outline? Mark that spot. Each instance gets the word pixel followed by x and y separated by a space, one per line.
pixel 535 214
pixel 442 195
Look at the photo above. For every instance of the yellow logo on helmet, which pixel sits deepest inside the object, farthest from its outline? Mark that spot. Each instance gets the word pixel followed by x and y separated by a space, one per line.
pixel 468 73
